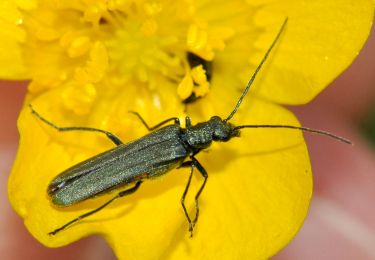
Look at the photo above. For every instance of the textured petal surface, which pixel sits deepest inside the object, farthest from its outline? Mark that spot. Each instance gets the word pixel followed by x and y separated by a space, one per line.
pixel 322 39
pixel 12 36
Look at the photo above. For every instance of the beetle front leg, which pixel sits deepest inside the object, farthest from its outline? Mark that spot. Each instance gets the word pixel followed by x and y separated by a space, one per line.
pixel 187 122
pixel 151 128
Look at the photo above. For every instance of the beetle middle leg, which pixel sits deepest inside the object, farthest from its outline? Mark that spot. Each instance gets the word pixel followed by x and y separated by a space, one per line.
pixel 151 128
pixel 205 176
pixel 119 195
pixel 111 136
pixel 193 163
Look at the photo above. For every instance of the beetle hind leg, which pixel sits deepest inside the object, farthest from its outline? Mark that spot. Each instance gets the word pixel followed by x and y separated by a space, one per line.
pixel 119 195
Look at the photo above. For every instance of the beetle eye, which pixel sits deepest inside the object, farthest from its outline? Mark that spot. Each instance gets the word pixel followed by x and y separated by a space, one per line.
pixel 221 133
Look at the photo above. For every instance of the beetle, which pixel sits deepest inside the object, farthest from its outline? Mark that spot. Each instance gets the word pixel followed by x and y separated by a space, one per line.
pixel 165 148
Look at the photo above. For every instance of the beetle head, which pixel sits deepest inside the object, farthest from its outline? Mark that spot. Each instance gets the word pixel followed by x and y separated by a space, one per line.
pixel 223 131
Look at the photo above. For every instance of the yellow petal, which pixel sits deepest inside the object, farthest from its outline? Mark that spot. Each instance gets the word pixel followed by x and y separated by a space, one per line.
pixel 12 65
pixel 322 37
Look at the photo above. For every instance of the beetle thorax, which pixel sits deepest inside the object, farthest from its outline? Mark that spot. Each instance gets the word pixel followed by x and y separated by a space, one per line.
pixel 201 135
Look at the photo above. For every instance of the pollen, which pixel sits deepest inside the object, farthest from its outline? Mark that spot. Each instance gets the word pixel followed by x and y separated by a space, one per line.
pixel 79 98
pixel 79 46
pixel 124 42
pixel 199 74
pixel 195 81
pixel 185 88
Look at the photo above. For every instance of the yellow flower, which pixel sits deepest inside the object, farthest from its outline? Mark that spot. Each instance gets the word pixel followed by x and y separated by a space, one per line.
pixel 91 61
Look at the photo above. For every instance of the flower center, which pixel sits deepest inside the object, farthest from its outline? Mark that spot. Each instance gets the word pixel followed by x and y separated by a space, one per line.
pixel 152 40
pixel 115 42
pixel 141 47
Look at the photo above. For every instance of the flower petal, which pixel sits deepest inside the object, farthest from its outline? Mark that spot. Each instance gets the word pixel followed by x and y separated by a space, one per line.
pixel 321 40
pixel 333 33
pixel 12 65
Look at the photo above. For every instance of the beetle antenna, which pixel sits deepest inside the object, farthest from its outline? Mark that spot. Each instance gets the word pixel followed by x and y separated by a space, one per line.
pixel 304 129
pixel 256 71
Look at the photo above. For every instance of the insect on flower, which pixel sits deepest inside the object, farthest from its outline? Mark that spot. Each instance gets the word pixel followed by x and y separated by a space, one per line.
pixel 165 148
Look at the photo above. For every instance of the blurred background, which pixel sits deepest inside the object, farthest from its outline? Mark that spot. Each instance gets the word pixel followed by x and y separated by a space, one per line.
pixel 341 220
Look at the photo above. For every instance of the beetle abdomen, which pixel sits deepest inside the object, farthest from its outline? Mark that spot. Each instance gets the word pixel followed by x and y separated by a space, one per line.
pixel 147 157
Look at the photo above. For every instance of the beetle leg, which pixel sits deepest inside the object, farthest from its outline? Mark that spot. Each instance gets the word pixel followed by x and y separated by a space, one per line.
pixel 187 122
pixel 175 119
pixel 119 195
pixel 111 136
pixel 205 176
pixel 191 165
